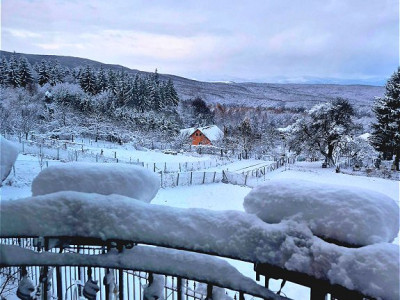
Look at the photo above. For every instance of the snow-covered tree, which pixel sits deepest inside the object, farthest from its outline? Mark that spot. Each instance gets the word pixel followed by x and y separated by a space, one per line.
pixel 323 128
pixel 101 80
pixel 43 73
pixel 13 76
pixel 386 131
pixel 3 71
pixel 25 72
pixel 88 80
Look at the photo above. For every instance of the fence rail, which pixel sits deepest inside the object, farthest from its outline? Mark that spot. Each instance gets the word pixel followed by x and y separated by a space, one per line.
pixel 67 282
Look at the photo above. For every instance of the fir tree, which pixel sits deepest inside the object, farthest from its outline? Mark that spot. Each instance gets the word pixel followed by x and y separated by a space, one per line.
pixel 88 81
pixel 25 72
pixel 385 137
pixel 4 71
pixel 43 73
pixel 101 80
pixel 13 76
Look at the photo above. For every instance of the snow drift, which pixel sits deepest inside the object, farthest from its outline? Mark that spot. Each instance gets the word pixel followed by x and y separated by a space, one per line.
pixel 347 214
pixel 106 179
pixel 9 153
pixel 288 244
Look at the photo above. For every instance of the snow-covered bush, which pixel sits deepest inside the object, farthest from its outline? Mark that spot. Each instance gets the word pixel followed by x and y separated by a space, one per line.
pixel 9 153
pixel 106 179
pixel 346 214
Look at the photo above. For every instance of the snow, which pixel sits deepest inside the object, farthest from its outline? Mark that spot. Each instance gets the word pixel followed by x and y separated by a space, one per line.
pixel 9 153
pixel 234 234
pixel 193 266
pixel 155 290
pixel 128 180
pixel 334 212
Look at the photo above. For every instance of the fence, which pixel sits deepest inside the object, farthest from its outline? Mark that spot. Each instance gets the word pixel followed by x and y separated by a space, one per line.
pixel 253 177
pixel 67 282
pixel 189 178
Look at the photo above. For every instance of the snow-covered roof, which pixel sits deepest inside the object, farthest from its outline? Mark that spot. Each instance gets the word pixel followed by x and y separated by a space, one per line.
pixel 193 266
pixel 212 132
pixel 348 215
pixel 106 179
pixel 373 270
pixel 8 156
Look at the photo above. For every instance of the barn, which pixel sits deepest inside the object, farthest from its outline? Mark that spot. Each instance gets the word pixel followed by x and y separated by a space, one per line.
pixel 207 135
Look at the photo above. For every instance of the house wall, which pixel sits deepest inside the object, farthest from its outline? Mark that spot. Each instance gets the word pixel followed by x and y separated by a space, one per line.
pixel 198 138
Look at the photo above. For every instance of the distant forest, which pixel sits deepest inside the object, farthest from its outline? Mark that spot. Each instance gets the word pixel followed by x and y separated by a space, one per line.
pixel 49 99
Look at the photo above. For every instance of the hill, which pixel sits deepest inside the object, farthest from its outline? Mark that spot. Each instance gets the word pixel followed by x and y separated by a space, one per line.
pixel 240 94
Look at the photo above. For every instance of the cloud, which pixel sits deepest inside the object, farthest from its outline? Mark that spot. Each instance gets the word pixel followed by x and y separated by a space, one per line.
pixel 212 40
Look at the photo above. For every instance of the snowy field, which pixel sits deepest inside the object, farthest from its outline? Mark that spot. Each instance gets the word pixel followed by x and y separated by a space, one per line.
pixel 217 196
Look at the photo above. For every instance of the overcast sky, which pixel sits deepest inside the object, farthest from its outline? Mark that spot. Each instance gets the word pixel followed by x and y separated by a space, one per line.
pixel 254 40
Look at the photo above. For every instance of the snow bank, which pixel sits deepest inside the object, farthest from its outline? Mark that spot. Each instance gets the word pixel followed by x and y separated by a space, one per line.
pixel 347 214
pixel 193 266
pixel 9 153
pixel 289 244
pixel 106 179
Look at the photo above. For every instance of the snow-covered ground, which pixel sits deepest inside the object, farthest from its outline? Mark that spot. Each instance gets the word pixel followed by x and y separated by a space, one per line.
pixel 215 196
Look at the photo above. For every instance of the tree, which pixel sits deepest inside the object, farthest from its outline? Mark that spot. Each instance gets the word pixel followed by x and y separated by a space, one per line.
pixel 43 73
pixel 323 128
pixel 88 81
pixel 12 77
pixel 25 72
pixel 3 71
pixel 385 136
pixel 202 113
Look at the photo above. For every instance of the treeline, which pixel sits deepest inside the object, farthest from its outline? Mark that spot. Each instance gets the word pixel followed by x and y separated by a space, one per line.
pixel 142 93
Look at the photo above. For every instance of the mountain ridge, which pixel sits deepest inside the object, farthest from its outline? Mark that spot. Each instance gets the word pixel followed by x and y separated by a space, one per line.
pixel 247 94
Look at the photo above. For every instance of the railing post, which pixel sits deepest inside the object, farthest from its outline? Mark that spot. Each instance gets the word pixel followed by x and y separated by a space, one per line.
pixel 317 293
pixel 59 281
pixel 121 283
pixel 179 288
pixel 209 291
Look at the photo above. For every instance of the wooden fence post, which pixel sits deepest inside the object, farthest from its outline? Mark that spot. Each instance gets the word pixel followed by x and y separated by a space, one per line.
pixel 191 177
pixel 245 180
pixel 204 177
pixel 214 176
pixel 177 180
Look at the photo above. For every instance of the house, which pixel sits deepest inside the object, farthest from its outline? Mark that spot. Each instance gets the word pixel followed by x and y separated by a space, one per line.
pixel 207 135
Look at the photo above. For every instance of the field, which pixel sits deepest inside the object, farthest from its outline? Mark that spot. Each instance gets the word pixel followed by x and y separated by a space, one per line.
pixel 216 196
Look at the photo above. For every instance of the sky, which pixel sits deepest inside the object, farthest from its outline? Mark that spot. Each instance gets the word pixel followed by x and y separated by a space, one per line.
pixel 349 41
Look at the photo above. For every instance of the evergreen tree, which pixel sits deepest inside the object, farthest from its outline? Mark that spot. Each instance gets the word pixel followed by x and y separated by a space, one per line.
pixel 385 137
pixel 88 80
pixel 43 73
pixel 56 73
pixel 13 76
pixel 171 96
pixel 4 71
pixel 101 80
pixel 25 72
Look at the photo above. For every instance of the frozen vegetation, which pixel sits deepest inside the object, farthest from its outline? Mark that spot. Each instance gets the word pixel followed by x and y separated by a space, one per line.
pixel 9 153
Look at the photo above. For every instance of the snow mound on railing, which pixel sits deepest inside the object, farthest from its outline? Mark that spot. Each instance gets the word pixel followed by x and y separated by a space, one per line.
pixel 346 214
pixel 289 244
pixel 193 266
pixel 106 179
pixel 9 153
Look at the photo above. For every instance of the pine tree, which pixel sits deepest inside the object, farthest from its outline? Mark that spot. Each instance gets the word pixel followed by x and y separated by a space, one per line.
pixel 43 73
pixel 25 72
pixel 56 73
pixel 13 76
pixel 101 80
pixel 4 71
pixel 88 81
pixel 171 96
pixel 385 137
